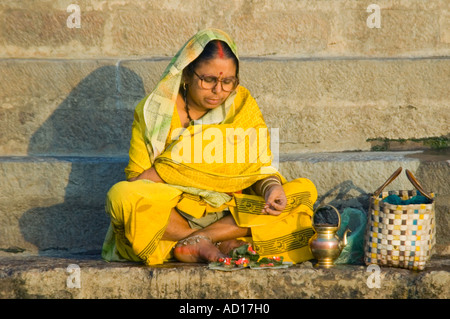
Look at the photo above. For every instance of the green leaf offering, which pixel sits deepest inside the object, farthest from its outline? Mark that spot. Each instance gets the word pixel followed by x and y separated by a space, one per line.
pixel 244 257
pixel 245 251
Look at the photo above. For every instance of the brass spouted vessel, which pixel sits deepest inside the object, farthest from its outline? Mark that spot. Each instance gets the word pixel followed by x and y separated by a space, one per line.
pixel 325 245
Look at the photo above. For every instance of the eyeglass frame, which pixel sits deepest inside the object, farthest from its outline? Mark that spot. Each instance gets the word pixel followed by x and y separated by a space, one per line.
pixel 216 82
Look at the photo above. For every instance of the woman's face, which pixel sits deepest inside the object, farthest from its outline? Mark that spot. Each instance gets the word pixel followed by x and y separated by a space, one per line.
pixel 207 99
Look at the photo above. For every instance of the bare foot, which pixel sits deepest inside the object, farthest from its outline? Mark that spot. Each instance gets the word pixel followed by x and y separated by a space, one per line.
pixel 197 249
pixel 227 246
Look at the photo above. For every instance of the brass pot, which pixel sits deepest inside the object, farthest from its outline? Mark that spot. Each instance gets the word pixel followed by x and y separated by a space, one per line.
pixel 325 245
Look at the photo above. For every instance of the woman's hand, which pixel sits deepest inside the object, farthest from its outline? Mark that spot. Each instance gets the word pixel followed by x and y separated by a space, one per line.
pixel 149 174
pixel 275 200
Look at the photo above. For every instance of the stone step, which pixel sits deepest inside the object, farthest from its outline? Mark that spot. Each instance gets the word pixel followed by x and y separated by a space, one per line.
pixel 57 203
pixel 286 28
pixel 85 107
pixel 91 278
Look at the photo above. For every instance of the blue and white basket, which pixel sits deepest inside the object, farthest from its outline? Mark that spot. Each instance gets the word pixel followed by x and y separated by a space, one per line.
pixel 400 235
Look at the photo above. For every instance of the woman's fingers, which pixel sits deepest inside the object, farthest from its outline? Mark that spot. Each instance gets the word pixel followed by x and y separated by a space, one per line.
pixel 273 208
pixel 270 211
pixel 275 201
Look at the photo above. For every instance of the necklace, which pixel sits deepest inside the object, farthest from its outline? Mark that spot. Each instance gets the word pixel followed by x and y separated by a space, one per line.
pixel 186 107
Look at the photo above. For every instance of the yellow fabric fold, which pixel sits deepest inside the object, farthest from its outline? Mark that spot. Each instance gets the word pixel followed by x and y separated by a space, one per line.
pixel 140 212
pixel 300 194
pixel 225 157
pixel 285 235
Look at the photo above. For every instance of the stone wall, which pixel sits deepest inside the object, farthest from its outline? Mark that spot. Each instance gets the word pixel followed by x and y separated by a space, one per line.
pixel 320 74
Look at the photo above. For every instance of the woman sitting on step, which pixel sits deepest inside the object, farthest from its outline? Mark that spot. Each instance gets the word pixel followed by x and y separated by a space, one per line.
pixel 199 178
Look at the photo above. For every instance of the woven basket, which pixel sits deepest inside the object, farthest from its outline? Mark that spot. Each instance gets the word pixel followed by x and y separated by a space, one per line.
pixel 400 235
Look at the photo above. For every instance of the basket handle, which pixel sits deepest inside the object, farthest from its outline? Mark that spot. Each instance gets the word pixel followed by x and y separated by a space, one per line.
pixel 411 178
pixel 387 182
pixel 417 185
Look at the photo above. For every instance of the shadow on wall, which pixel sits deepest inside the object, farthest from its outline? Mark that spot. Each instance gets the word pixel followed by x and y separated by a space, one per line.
pixel 91 131
pixel 343 195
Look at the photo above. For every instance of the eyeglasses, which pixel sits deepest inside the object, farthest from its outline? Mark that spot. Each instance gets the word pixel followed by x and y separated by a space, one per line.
pixel 209 82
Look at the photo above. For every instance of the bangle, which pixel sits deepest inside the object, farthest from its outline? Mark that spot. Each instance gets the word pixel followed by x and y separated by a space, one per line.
pixel 263 192
pixel 268 180
pixel 263 182
pixel 268 183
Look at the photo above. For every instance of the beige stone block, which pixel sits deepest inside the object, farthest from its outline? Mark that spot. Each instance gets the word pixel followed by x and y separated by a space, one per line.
pixel 144 73
pixel 288 28
pixel 147 29
pixel 55 202
pixel 40 29
pixel 77 107
pixel 407 28
pixel 261 28
pixel 280 29
pixel 55 107
pixel 61 107
pixel 444 23
pixel 336 105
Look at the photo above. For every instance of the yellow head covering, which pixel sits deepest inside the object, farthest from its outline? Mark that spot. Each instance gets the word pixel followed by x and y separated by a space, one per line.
pixel 158 109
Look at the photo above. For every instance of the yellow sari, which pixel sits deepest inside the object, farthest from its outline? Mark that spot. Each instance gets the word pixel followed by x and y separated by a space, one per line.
pixel 208 168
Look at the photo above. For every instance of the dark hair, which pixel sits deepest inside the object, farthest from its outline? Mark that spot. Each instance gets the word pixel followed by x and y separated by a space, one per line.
pixel 213 49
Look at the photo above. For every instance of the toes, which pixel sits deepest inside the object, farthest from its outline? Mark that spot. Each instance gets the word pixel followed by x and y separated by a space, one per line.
pixel 197 249
pixel 227 246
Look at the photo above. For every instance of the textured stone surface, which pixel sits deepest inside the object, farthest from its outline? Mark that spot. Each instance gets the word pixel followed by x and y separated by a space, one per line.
pixel 55 203
pixel 153 28
pixel 46 277
pixel 64 107
pixel 336 105
pixel 39 28
pixel 86 107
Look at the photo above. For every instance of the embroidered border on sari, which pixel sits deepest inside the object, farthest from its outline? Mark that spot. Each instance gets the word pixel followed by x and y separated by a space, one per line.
pixel 284 243
pixel 254 204
pixel 152 245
